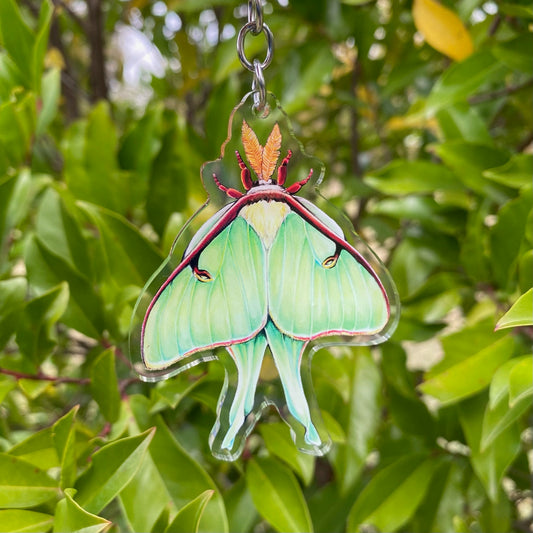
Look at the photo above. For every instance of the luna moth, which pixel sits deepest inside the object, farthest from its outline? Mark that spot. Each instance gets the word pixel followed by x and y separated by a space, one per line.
pixel 268 269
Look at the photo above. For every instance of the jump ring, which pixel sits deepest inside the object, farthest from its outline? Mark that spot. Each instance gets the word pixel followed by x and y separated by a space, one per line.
pixel 255 15
pixel 249 27
pixel 259 86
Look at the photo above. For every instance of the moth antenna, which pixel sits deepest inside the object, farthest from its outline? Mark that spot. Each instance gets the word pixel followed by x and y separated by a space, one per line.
pixel 232 193
pixel 295 187
pixel 245 172
pixel 282 169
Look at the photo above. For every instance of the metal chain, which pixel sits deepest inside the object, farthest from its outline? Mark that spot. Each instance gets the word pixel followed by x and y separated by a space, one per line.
pixel 255 26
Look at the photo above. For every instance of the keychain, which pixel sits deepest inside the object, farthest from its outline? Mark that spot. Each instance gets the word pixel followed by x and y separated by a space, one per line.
pixel 271 268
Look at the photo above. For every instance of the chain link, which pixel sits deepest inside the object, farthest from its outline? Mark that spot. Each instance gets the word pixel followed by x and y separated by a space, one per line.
pixel 255 26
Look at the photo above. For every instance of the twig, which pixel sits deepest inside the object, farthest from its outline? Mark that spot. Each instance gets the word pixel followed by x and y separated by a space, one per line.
pixel 43 377
pixel 74 16
pixel 95 34
pixel 493 95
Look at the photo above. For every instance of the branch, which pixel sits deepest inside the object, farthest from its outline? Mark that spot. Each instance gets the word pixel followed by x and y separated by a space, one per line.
pixel 493 95
pixel 74 16
pixel 95 34
pixel 43 377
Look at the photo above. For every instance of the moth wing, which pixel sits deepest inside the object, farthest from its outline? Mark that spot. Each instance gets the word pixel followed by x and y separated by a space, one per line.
pixel 308 300
pixel 190 315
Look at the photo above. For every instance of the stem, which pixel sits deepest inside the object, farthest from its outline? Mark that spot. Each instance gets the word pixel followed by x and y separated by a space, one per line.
pixel 43 377
pixel 493 95
pixel 95 34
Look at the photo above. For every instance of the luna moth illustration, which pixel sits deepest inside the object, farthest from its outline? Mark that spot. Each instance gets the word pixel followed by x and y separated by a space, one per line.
pixel 268 269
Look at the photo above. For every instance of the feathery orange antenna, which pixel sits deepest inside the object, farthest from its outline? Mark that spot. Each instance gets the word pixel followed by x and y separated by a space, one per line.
pixel 263 160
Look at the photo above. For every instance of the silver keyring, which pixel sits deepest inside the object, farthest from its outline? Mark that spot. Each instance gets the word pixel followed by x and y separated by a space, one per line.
pixel 250 27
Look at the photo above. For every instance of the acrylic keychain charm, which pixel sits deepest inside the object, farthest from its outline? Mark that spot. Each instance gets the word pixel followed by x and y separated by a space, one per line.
pixel 270 268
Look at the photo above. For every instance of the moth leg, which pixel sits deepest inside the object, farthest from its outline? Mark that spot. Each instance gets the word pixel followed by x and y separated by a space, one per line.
pixel 232 193
pixel 287 354
pixel 282 170
pixel 248 357
pixel 295 187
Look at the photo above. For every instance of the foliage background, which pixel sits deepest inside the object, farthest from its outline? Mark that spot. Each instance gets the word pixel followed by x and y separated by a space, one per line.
pixel 108 109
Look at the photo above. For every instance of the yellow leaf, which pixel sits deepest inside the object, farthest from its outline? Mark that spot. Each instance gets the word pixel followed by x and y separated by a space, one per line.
pixel 442 29
pixel 252 149
pixel 271 152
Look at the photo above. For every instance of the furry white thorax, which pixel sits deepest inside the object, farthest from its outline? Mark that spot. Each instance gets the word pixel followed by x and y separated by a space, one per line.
pixel 266 218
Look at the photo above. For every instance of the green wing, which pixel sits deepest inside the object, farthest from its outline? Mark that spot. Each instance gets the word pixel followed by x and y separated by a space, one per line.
pixel 190 315
pixel 308 300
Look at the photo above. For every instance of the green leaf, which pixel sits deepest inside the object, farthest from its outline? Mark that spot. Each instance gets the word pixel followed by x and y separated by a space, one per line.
pixel 463 122
pixel 470 375
pixel 104 385
pixel 126 257
pixel 411 177
pixel 490 462
pixel 45 269
pixel 168 188
pixel 24 521
pixel 360 418
pixel 507 236
pixel 240 508
pixel 16 38
pixel 90 151
pixel 33 388
pixel 38 449
pixel 463 79
pixel 17 122
pixel 520 381
pixel 112 467
pixel 59 230
pixel 520 314
pixel 15 198
pixel 499 386
pixel 36 331
pixel 392 496
pixel 500 418
pixel 277 496
pixel 71 517
pixel 468 160
pixel 22 484
pixel 188 518
pixel 7 384
pixel 279 443
pixel 171 475
pixel 51 91
pixel 12 294
pixel 64 439
pixel 515 173
pixel 514 53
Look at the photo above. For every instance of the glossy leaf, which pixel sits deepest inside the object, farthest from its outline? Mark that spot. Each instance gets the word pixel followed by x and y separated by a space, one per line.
pixel 104 385
pixel 360 418
pixel 173 471
pixel 64 440
pixel 111 469
pixel 393 495
pixel 278 441
pixel 13 293
pixel 24 485
pixel 520 314
pixel 277 496
pixel 489 462
pixel 71 517
pixel 35 332
pixel 520 381
pixel 188 518
pixel 25 521
pixel 469 375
